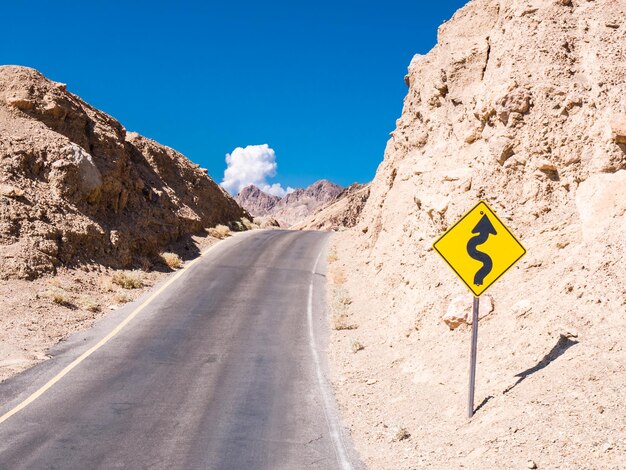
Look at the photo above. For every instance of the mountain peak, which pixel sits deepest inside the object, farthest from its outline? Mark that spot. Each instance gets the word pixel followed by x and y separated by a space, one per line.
pixel 292 208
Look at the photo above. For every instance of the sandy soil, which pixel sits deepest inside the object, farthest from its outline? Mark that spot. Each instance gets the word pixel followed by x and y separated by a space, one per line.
pixel 38 314
pixel 550 381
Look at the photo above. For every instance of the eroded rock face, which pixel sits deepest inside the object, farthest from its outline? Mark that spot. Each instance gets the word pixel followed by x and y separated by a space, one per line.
pixel 528 123
pixel 520 103
pixel 75 187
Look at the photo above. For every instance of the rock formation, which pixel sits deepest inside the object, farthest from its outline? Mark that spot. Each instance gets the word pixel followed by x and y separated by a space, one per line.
pixel 341 212
pixel 522 104
pixel 256 202
pixel 76 188
pixel 292 208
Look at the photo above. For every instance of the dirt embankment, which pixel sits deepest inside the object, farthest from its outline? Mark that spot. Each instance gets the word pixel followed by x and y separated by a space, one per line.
pixel 86 210
pixel 521 104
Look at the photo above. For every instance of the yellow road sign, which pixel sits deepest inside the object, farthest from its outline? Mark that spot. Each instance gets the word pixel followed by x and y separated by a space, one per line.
pixel 479 248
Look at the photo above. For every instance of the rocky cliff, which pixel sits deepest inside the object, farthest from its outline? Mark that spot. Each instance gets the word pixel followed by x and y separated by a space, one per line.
pixel 341 212
pixel 76 188
pixel 292 208
pixel 256 202
pixel 522 104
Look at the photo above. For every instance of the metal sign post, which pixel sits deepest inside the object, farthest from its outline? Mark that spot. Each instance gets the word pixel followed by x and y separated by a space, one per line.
pixel 472 381
pixel 480 249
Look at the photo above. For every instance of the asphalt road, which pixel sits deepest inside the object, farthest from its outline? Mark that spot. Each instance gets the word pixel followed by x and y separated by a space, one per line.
pixel 224 369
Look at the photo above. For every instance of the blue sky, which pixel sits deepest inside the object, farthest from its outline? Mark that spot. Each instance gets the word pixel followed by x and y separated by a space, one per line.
pixel 320 82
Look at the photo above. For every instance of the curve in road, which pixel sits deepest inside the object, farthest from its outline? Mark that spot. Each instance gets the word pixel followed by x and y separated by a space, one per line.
pixel 223 369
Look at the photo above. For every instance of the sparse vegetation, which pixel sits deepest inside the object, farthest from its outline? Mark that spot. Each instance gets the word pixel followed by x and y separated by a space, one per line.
pixel 401 435
pixel 59 297
pixel 342 322
pixel 344 300
pixel 357 346
pixel 338 276
pixel 121 298
pixel 219 231
pixel 248 224
pixel 172 260
pixel 106 285
pixel 127 281
pixel 332 255
pixel 90 305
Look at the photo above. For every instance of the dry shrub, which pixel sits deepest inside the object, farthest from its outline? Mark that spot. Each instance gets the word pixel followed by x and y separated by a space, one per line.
pixel 342 322
pixel 106 285
pixel 357 346
pixel 344 300
pixel 90 305
pixel 172 260
pixel 219 231
pixel 121 298
pixel 337 276
pixel 248 224
pixel 127 281
pixel 401 435
pixel 59 297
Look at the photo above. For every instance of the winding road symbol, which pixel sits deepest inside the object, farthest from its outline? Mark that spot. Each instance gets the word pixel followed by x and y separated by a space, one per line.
pixel 483 229
pixel 480 236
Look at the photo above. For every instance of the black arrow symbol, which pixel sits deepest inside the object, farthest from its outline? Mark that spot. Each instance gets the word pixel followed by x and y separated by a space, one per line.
pixel 483 229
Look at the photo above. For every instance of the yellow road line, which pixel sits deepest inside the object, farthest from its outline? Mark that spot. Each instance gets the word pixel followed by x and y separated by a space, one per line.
pixel 100 343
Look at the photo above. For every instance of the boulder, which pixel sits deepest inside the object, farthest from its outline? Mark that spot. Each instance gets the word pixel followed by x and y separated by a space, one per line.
pixel 501 147
pixel 460 310
pixel 90 177
pixel 517 101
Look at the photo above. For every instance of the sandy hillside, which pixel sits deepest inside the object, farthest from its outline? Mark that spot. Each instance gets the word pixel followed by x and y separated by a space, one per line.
pixel 86 210
pixel 522 104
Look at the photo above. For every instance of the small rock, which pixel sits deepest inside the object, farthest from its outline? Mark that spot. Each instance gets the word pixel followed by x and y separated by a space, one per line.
pixel 531 464
pixel 515 102
pixel 10 191
pixel 371 381
pixel 618 128
pixel 501 147
pixel 546 166
pixel 522 307
pixel 460 310
pixel 20 101
pixel 570 332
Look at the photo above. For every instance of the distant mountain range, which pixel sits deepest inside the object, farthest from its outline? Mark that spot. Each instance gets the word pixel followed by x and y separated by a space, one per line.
pixel 292 208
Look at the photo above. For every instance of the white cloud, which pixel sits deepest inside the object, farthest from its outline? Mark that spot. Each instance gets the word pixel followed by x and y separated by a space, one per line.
pixel 252 165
